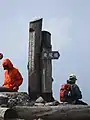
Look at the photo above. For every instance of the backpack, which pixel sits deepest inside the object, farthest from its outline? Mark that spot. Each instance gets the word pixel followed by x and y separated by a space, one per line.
pixel 64 92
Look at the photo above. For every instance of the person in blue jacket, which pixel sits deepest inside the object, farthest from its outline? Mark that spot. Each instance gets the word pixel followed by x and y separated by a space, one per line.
pixel 75 94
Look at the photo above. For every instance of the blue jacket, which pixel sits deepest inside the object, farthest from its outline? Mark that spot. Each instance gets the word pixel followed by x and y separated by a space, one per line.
pixel 75 92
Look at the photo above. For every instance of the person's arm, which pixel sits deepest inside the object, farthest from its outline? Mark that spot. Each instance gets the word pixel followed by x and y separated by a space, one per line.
pixel 78 94
pixel 5 78
pixel 18 80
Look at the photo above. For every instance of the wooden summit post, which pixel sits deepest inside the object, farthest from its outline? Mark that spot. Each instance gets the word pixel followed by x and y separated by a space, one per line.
pixel 40 57
pixel 34 88
pixel 46 67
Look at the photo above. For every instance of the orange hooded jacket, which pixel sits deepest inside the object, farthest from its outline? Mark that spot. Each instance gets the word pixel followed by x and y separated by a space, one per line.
pixel 12 77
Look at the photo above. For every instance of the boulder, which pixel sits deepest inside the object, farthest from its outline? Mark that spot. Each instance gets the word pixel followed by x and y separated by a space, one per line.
pixel 14 98
pixel 3 99
pixel 60 112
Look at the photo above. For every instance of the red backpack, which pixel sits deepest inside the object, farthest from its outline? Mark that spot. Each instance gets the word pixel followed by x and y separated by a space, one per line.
pixel 64 91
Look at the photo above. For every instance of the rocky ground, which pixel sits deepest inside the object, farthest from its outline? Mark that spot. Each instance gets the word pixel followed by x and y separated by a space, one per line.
pixel 8 99
pixel 35 110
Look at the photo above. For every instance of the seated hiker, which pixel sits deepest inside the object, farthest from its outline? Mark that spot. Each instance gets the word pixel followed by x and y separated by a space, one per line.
pixel 70 92
pixel 12 77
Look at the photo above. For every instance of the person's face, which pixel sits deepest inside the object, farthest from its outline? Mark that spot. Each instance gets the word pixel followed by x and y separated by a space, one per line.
pixel 73 81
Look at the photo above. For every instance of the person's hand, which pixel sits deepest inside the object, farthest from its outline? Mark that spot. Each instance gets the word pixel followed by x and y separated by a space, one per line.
pixel 69 94
pixel 15 88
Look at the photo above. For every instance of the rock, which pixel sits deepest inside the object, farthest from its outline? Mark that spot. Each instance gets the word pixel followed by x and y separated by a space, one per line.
pixel 3 105
pixel 60 112
pixel 11 99
pixel 40 100
pixel 38 119
pixel 12 102
pixel 32 103
pixel 14 98
pixel 3 99
pixel 55 103
pixel 39 104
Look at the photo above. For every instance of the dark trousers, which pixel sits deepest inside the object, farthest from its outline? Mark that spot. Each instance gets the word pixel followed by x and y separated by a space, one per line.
pixel 3 89
pixel 80 102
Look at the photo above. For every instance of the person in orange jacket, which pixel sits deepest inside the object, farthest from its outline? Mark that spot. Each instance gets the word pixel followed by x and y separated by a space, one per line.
pixel 12 77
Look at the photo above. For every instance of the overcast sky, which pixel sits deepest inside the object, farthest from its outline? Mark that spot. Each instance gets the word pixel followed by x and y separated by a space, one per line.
pixel 69 23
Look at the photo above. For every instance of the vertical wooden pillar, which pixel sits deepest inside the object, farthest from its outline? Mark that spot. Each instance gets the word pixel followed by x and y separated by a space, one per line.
pixel 34 51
